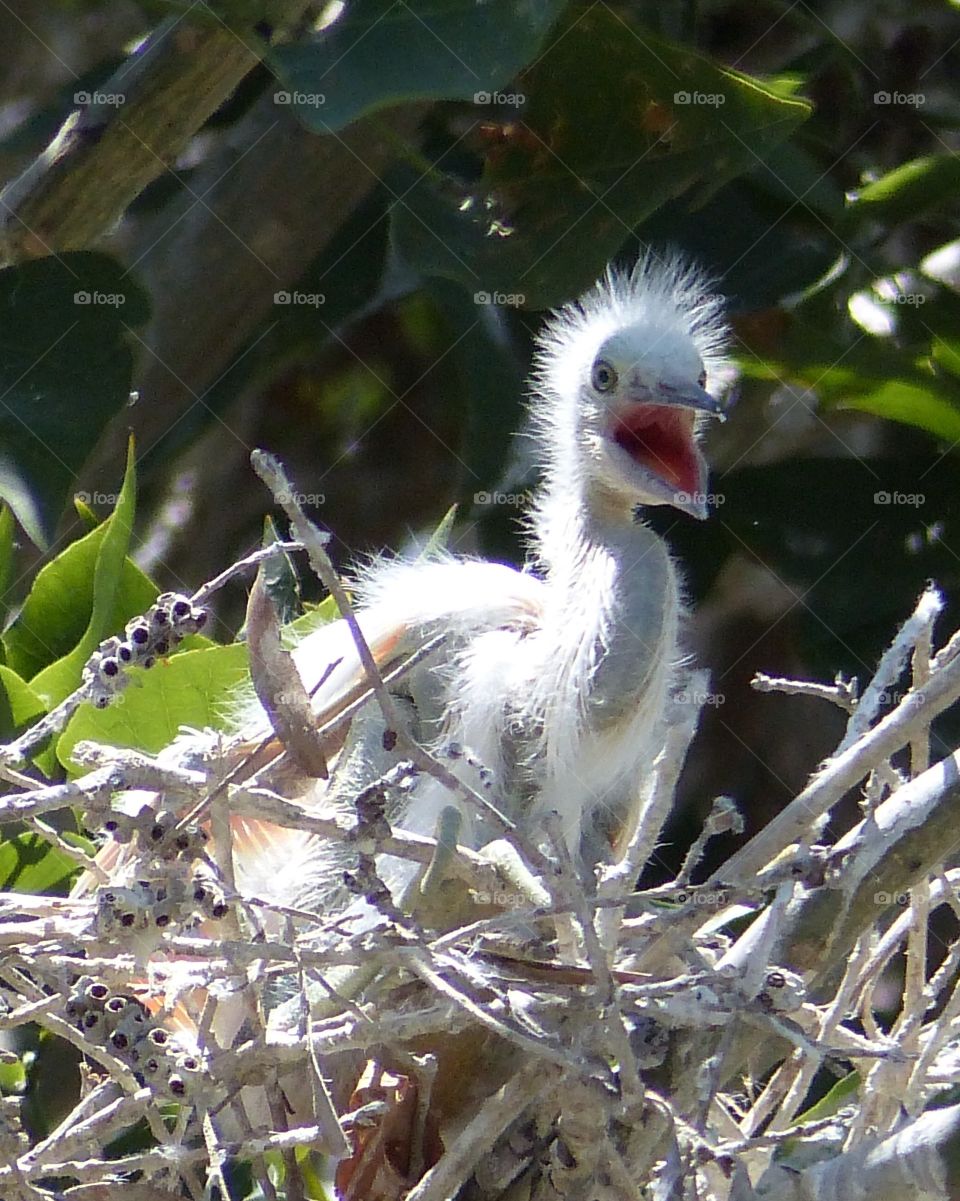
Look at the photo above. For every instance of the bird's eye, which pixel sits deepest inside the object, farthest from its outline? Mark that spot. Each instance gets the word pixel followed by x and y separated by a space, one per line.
pixel 604 376
pixel 702 381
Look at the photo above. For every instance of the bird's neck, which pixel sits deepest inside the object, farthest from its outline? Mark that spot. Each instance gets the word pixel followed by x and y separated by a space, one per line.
pixel 576 527
pixel 613 591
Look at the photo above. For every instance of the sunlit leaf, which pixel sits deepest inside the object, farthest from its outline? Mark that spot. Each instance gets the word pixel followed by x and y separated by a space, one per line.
pixel 19 704
pixel 910 189
pixel 61 677
pixel 194 688
pixel 28 863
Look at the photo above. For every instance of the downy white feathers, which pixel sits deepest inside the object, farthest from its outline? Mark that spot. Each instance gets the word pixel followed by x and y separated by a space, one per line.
pixel 557 676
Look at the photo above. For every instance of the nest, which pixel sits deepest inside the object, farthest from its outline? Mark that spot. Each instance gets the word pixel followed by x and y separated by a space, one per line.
pixel 507 1028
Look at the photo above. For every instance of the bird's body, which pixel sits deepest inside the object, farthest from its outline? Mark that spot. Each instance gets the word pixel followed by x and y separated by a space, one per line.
pixel 510 685
pixel 556 676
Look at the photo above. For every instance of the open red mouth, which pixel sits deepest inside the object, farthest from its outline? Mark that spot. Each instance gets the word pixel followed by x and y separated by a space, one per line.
pixel 660 439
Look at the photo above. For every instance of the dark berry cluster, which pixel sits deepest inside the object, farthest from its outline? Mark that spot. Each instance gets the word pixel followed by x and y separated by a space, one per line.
pixel 157 833
pixel 124 1026
pixel 783 991
pixel 146 638
pixel 157 903
pixel 175 885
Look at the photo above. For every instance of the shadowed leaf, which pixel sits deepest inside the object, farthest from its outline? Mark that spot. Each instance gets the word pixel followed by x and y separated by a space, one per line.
pixel 65 371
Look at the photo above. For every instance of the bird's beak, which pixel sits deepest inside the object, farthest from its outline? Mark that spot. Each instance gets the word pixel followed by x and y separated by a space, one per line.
pixel 657 429
pixel 694 504
pixel 688 396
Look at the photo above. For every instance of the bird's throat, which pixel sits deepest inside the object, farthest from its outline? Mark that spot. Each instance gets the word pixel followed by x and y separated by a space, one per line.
pixel 661 440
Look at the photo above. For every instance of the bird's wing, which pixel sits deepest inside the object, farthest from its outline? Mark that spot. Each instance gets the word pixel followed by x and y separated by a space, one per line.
pixel 408 604
pixel 404 607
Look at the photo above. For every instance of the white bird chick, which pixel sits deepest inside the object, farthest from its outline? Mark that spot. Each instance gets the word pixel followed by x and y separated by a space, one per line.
pixel 619 386
pixel 557 676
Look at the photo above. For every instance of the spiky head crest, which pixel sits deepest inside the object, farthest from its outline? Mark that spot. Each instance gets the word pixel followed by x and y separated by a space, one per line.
pixel 630 357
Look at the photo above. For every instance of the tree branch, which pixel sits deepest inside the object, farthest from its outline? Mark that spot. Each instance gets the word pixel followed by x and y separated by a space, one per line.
pixel 104 155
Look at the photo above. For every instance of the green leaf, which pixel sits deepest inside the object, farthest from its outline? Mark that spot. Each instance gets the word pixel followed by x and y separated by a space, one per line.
pixel 13 1077
pixel 28 863
pixel 929 407
pixel 315 617
pixel 833 1100
pixel 8 548
pixel 848 369
pixel 195 688
pixel 576 166
pixel 80 841
pixel 733 236
pixel 314 1173
pixel 65 371
pixel 439 540
pixel 280 577
pixel 192 688
pixel 58 608
pixel 19 704
pixel 793 175
pixel 381 53
pixel 909 190
pixel 89 518
pixel 786 84
pixel 946 352
pixel 798 1153
pixel 60 678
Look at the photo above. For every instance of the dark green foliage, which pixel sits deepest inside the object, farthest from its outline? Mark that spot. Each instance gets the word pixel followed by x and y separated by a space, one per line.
pixel 66 361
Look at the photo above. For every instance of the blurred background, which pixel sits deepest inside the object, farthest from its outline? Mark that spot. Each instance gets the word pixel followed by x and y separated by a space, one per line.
pixel 347 260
